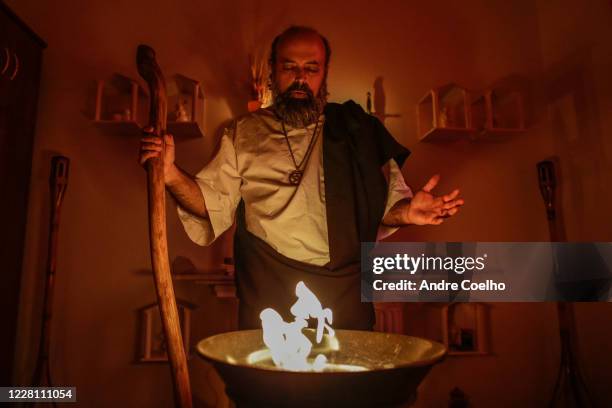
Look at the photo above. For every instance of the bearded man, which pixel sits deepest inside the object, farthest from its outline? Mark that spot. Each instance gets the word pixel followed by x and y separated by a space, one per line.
pixel 306 181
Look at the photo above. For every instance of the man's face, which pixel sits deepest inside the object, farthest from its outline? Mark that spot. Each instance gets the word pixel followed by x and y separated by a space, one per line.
pixel 299 77
pixel 300 59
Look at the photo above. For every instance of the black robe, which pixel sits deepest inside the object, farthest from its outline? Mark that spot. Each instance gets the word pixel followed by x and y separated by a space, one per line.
pixel 355 148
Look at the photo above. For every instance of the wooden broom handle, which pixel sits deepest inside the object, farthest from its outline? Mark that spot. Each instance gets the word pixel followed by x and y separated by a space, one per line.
pixel 58 183
pixel 151 73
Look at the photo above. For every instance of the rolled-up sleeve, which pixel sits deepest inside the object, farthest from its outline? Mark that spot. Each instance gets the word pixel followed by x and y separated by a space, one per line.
pixel 398 190
pixel 220 183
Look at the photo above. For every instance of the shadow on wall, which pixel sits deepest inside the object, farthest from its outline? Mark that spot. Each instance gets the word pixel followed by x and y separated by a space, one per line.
pixel 225 42
pixel 571 98
pixel 380 101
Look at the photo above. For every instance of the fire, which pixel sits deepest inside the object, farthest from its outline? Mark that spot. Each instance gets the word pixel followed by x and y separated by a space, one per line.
pixel 288 345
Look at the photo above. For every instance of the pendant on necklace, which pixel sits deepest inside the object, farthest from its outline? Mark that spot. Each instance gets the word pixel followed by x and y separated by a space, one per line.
pixel 295 177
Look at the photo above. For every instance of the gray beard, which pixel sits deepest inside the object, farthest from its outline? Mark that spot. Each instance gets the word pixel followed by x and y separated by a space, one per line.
pixel 299 113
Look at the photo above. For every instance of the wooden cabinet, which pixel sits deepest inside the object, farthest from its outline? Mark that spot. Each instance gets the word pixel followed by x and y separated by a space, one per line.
pixel 20 65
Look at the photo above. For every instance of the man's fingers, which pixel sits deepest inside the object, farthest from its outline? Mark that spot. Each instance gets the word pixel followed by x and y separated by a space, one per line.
pixel 151 130
pixel 155 140
pixel 169 139
pixel 433 181
pixel 452 211
pixel 437 221
pixel 451 196
pixel 448 213
pixel 452 204
pixel 146 156
pixel 150 148
pixel 439 213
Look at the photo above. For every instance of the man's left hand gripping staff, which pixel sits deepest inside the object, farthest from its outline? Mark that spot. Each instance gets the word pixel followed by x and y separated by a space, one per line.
pixel 425 208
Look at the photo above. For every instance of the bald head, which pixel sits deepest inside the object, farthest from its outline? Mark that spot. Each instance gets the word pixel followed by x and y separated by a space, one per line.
pixel 299 33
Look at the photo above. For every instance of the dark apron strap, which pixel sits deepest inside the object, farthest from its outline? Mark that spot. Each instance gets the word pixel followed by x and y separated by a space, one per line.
pixel 341 202
pixel 355 147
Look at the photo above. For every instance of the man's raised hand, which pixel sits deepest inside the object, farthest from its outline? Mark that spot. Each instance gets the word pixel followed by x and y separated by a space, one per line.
pixel 427 209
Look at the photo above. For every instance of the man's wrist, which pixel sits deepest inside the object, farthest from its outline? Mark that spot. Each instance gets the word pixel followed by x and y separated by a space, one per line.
pixel 398 215
pixel 172 176
pixel 406 219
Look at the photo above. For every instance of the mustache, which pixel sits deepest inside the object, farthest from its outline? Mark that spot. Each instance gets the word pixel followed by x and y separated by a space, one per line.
pixel 302 87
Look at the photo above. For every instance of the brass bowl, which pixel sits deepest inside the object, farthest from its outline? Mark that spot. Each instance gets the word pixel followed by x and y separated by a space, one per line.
pixel 368 369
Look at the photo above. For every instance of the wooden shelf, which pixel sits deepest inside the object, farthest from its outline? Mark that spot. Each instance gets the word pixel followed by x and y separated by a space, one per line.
pixel 498 114
pixel 152 345
pixel 466 322
pixel 464 328
pixel 119 98
pixel 450 113
pixel 222 279
pixel 448 134
pixel 185 94
pixel 223 283
pixel 206 278
pixel 121 107
pixel 185 130
pixel 444 114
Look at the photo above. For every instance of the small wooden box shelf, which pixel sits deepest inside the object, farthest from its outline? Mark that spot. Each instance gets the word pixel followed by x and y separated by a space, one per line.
pixel 444 114
pixel 119 104
pixel 498 111
pixel 185 107
pixel 122 105
pixel 462 327
pixel 152 339
pixel 450 112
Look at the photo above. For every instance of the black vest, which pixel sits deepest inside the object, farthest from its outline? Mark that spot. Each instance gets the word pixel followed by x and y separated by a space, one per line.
pixel 355 147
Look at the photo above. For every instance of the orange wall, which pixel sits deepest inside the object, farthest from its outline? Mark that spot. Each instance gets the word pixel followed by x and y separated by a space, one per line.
pixel 413 46
pixel 576 65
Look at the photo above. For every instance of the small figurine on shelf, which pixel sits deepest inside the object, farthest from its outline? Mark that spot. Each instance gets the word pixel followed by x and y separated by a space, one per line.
pixel 181 112
pixel 127 114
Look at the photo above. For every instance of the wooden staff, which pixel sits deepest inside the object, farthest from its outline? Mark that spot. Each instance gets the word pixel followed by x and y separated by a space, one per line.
pixel 58 183
pixel 151 73
pixel 570 388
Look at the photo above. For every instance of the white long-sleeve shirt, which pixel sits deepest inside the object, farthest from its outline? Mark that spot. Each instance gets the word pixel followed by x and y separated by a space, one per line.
pixel 254 163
